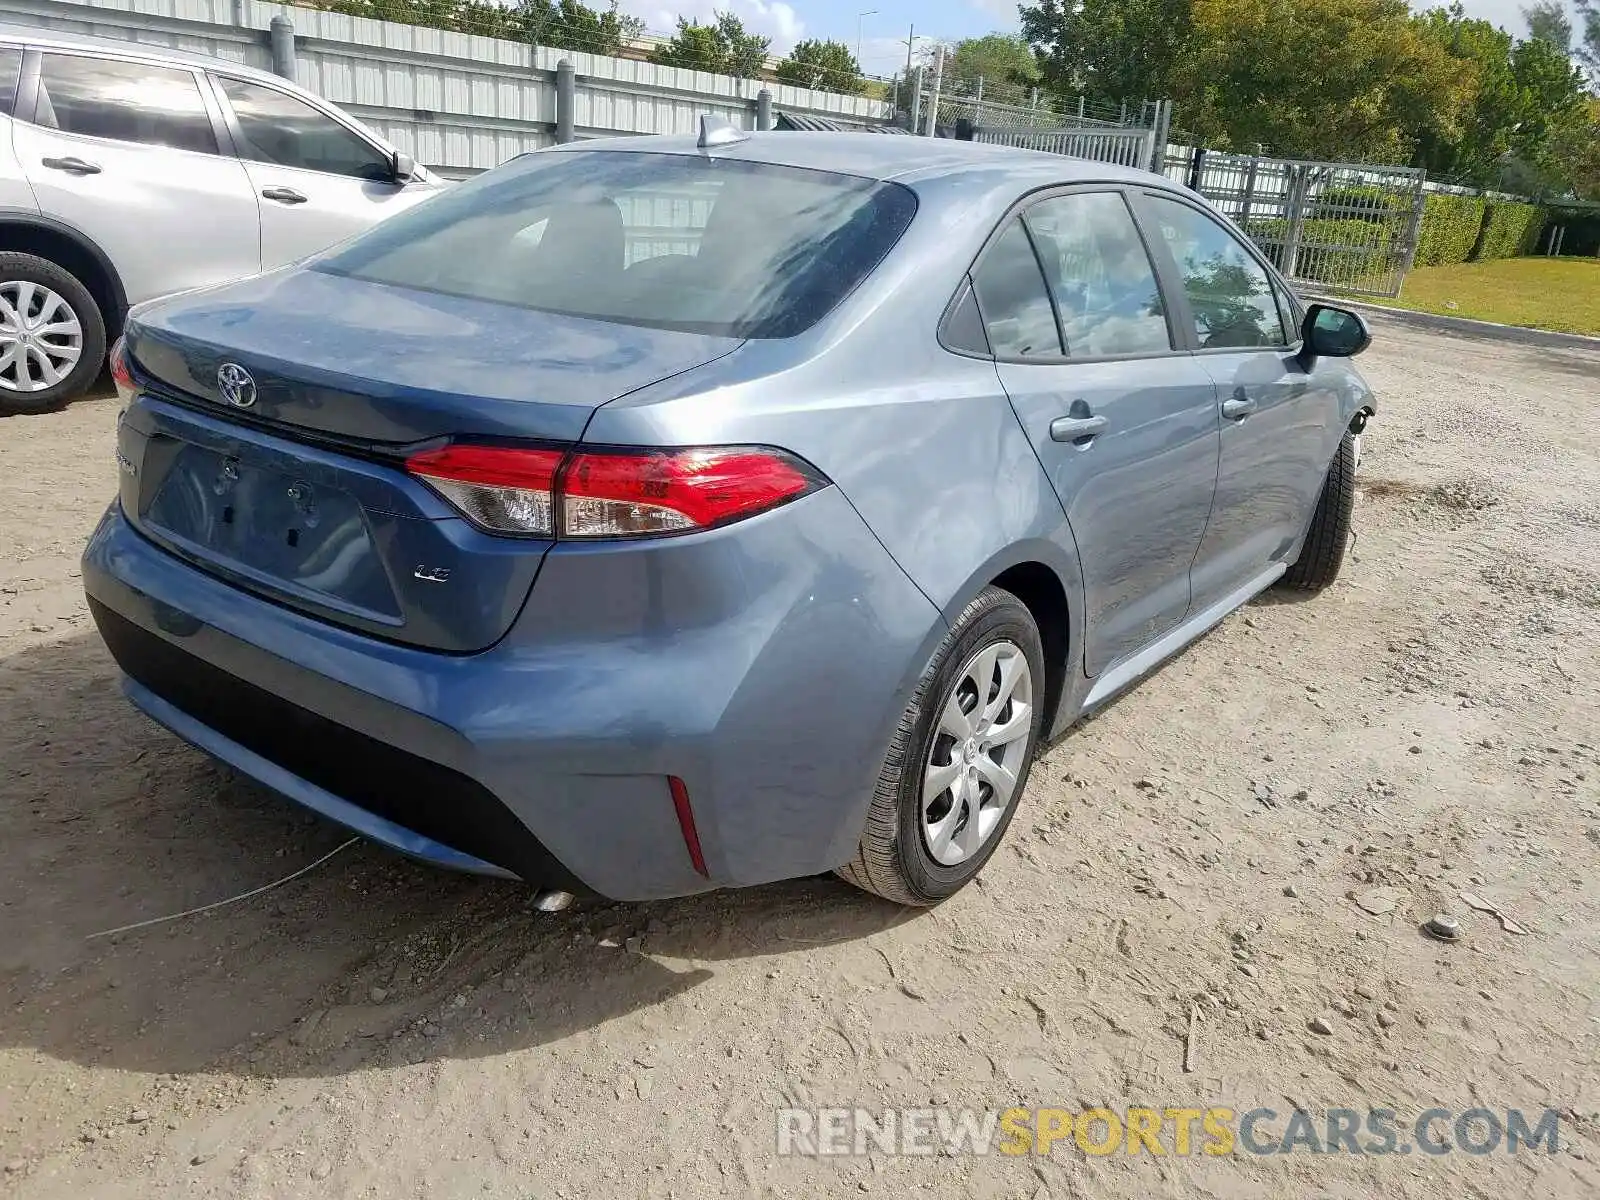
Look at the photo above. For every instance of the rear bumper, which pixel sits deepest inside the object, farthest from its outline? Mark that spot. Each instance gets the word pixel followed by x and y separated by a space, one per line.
pixel 390 795
pixel 765 665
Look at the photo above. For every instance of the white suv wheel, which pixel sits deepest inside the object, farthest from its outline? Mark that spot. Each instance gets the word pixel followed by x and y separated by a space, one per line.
pixel 41 337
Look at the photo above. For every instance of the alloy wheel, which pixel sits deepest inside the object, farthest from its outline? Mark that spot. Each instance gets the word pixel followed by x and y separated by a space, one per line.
pixel 980 743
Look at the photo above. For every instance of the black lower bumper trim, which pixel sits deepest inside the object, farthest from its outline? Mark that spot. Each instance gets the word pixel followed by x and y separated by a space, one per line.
pixel 394 784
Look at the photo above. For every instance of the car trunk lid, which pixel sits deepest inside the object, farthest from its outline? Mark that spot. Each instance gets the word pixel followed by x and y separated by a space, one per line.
pixel 268 442
pixel 370 362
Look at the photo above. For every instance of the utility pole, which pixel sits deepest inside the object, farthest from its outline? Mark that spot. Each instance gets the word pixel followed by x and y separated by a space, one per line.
pixel 861 20
pixel 938 83
pixel 913 81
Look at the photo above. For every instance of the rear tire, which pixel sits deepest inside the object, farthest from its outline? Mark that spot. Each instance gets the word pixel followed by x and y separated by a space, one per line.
pixel 52 335
pixel 1323 552
pixel 920 848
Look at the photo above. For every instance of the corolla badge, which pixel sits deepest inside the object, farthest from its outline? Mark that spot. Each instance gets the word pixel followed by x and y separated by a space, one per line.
pixel 236 386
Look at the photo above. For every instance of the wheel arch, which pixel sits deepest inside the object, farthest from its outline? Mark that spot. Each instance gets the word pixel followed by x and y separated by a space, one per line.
pixel 73 251
pixel 1048 580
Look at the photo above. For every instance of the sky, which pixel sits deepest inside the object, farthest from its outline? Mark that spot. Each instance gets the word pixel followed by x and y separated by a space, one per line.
pixel 883 33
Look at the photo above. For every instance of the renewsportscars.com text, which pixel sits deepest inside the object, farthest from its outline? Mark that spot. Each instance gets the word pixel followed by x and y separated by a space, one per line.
pixel 1174 1131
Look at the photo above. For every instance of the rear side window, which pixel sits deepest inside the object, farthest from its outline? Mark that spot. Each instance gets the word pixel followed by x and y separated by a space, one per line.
pixel 1229 291
pixel 123 101
pixel 1012 298
pixel 10 69
pixel 277 128
pixel 688 242
pixel 1103 283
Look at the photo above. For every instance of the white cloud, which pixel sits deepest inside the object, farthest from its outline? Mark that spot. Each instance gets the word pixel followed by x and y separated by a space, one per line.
pixel 770 18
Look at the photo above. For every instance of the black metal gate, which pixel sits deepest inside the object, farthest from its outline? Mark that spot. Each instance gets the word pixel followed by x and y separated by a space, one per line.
pixel 1348 227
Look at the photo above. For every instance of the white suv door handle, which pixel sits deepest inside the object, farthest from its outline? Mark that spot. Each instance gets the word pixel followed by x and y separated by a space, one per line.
pixel 72 166
pixel 283 195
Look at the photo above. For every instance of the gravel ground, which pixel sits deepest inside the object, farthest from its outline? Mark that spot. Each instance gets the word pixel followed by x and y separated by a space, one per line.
pixel 1430 725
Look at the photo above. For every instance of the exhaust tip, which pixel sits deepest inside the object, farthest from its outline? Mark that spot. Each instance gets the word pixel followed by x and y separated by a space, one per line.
pixel 552 901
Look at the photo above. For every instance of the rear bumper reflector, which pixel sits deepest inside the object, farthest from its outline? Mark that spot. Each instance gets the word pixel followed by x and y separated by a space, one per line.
pixel 691 838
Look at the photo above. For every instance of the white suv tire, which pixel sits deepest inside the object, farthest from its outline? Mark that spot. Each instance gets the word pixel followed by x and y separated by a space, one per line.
pixel 49 326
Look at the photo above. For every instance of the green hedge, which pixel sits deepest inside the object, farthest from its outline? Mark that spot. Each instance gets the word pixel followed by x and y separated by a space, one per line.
pixel 1450 226
pixel 1510 230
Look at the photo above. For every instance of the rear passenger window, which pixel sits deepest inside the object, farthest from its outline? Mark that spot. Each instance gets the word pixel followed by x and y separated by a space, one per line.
pixel 124 101
pixel 10 69
pixel 1015 305
pixel 1100 275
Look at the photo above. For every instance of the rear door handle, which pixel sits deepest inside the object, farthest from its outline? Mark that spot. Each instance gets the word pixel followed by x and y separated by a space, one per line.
pixel 72 166
pixel 283 195
pixel 1238 409
pixel 1076 429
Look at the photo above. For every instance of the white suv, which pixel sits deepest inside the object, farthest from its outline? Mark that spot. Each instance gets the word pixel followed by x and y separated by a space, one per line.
pixel 128 172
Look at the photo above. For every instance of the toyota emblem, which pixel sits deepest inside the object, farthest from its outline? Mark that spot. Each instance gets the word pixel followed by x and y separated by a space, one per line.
pixel 236 386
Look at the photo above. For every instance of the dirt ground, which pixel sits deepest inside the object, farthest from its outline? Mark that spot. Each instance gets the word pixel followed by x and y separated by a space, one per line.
pixel 376 1028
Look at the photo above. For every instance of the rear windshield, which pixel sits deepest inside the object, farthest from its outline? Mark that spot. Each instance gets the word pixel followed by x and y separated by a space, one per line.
pixel 689 242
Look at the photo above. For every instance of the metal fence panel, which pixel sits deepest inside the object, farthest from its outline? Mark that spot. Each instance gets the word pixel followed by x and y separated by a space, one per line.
pixel 1349 227
pixel 1127 147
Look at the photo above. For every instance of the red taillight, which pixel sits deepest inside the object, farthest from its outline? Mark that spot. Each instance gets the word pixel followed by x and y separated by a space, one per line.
pixel 126 388
pixel 502 489
pixel 627 494
pixel 611 493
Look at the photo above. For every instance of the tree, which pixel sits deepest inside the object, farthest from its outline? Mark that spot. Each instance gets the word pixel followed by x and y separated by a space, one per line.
pixel 1525 98
pixel 1575 152
pixel 1113 49
pixel 1338 79
pixel 570 25
pixel 827 65
pixel 1474 150
pixel 1005 63
pixel 747 52
pixel 723 47
pixel 565 24
pixel 1586 44
pixel 1553 104
pixel 694 46
pixel 1548 22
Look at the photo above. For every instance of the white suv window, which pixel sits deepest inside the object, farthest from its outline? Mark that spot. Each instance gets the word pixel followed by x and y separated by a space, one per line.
pixel 10 70
pixel 277 128
pixel 123 101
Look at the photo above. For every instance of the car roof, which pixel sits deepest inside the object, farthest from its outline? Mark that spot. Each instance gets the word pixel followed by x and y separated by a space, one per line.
pixel 903 159
pixel 48 39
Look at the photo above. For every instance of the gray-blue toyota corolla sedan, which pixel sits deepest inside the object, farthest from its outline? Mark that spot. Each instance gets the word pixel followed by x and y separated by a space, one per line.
pixel 649 515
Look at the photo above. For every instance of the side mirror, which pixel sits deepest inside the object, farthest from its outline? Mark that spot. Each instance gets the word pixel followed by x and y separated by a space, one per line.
pixel 1332 333
pixel 403 166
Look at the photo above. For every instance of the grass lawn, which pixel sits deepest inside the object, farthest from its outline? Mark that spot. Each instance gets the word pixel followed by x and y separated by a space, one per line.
pixel 1560 294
